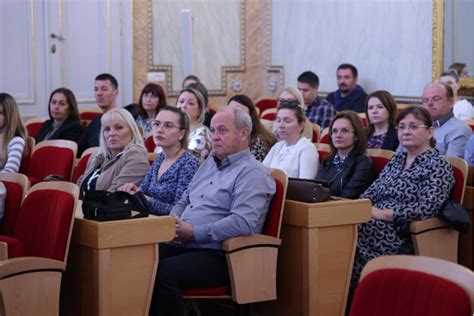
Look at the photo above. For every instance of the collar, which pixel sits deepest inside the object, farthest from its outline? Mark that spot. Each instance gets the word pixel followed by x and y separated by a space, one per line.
pixel 221 164
pixel 444 119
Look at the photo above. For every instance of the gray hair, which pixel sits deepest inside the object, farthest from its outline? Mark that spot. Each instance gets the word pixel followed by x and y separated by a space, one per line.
pixel 122 115
pixel 242 120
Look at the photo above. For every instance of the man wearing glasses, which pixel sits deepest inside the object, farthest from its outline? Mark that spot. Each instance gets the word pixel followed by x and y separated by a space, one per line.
pixel 451 133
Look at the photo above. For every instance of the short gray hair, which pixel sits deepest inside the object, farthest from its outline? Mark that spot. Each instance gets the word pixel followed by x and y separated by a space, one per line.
pixel 242 120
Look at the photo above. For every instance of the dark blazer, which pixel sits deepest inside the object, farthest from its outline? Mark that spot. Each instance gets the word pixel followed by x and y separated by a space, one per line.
pixel 69 130
pixel 90 137
pixel 391 140
pixel 356 176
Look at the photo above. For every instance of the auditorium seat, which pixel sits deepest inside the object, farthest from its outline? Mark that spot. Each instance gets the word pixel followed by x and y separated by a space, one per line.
pixel 25 161
pixel 324 139
pixel 470 123
pixel 16 185
pixel 52 157
pixel 150 144
pixel 33 125
pixel 323 150
pixel 363 119
pixel 433 237
pixel 266 102
pixel 380 157
pixel 269 114
pixel 252 260
pixel 316 132
pixel 30 278
pixel 88 114
pixel 81 164
pixel 413 285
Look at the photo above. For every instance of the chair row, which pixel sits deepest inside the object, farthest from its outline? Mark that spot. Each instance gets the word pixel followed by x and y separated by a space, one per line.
pixel 34 244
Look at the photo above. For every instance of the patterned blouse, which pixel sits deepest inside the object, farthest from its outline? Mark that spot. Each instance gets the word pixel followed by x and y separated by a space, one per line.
pixel 200 142
pixel 376 141
pixel 145 124
pixel 259 148
pixel 167 190
pixel 414 194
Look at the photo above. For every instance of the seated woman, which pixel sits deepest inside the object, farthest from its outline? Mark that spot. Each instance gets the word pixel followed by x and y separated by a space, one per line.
pixel 12 134
pixel 172 171
pixel 293 94
pixel 152 98
pixel 294 154
pixel 347 169
pixel 121 157
pixel 381 111
pixel 64 121
pixel 261 140
pixel 412 187
pixel 193 104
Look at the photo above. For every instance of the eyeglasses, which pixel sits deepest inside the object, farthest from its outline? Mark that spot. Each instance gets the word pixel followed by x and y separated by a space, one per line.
pixel 436 98
pixel 344 131
pixel 411 127
pixel 167 126
pixel 288 103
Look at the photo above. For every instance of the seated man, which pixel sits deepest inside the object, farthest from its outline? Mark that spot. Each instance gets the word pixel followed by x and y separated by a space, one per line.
pixel 451 133
pixel 229 196
pixel 349 96
pixel 318 110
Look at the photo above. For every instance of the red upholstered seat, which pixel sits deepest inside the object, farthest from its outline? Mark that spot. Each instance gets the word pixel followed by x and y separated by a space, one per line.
pixel 150 144
pixel 12 207
pixel 15 248
pixel 380 157
pixel 52 157
pixel 82 164
pixel 266 103
pixel 403 292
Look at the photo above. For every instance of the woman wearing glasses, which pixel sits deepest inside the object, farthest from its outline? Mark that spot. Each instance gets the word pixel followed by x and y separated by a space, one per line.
pixel 412 187
pixel 172 171
pixel 381 111
pixel 347 169
pixel 294 154
pixel 121 157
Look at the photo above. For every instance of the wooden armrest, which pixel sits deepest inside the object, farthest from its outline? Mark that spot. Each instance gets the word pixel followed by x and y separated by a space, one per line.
pixel 25 264
pixel 417 227
pixel 244 242
pixel 3 250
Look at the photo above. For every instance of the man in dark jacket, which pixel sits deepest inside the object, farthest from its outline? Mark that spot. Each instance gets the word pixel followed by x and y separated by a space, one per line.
pixel 349 96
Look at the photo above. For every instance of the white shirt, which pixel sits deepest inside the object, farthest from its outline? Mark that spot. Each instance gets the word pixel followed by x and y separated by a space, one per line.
pixel 463 110
pixel 300 160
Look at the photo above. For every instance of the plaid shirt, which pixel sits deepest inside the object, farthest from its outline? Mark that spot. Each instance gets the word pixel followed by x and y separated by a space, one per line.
pixel 320 112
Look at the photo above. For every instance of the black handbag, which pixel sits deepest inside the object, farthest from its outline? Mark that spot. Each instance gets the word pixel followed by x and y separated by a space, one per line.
pixel 109 206
pixel 455 215
pixel 308 190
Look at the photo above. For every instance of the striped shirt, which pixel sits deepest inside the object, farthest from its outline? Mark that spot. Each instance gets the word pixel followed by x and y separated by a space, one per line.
pixel 14 155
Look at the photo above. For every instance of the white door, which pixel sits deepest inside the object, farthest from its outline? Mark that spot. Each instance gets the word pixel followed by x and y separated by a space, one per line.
pixel 47 44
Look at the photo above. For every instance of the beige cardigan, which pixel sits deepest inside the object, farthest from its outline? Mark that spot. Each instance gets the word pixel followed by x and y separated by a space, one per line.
pixel 130 166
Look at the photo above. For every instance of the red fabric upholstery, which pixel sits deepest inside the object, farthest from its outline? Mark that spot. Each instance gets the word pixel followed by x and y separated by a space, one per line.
pixel 33 128
pixel 12 207
pixel 322 155
pixel 266 104
pixel 214 291
pixel 380 163
pixel 456 193
pixel 88 116
pixel 80 168
pixel 50 160
pixel 15 248
pixel 272 221
pixel 44 222
pixel 402 292
pixel 150 144
pixel 324 139
pixel 269 116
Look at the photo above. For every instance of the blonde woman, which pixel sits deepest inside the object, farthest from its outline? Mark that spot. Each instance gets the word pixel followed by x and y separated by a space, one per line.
pixel 13 134
pixel 192 102
pixel 293 94
pixel 121 157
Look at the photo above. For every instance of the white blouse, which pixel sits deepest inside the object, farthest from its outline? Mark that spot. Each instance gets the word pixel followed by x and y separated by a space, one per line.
pixel 300 160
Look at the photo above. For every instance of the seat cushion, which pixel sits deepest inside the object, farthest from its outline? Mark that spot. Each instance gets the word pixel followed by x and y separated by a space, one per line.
pixel 12 207
pixel 15 248
pixel 393 292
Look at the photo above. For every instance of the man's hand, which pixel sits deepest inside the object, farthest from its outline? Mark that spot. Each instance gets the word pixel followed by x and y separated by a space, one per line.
pixel 184 231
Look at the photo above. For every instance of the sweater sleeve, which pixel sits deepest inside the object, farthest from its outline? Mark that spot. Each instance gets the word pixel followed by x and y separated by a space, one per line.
pixel 15 152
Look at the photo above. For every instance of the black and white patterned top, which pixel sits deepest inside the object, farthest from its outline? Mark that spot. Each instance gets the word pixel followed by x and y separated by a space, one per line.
pixel 414 194
pixel 259 148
